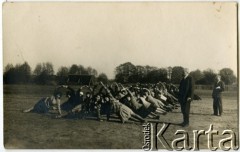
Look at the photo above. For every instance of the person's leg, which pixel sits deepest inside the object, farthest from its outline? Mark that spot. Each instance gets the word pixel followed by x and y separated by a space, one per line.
pixel 187 111
pixel 77 108
pixel 28 110
pixel 134 119
pixel 220 106
pixel 108 113
pixel 137 116
pixel 99 113
pixel 159 110
pixel 215 111
pixel 182 104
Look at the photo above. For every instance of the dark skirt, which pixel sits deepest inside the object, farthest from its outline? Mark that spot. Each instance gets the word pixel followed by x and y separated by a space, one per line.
pixel 144 112
pixel 67 106
pixel 41 107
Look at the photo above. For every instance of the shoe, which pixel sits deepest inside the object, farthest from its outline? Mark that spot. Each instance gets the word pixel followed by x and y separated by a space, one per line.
pixel 158 117
pixel 185 124
pixel 181 124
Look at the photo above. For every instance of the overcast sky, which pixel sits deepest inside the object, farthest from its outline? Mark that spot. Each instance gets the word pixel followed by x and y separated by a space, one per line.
pixel 105 35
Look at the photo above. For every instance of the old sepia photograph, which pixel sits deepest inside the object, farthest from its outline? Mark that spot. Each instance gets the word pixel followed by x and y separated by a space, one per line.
pixel 120 75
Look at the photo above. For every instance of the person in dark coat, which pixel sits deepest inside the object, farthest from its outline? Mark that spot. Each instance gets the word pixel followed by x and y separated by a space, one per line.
pixel 217 96
pixel 186 93
pixel 74 98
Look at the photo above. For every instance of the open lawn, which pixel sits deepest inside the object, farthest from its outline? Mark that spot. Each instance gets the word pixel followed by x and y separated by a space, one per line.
pixel 31 130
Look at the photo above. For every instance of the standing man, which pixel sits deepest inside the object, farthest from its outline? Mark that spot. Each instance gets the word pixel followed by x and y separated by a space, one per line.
pixel 217 96
pixel 186 92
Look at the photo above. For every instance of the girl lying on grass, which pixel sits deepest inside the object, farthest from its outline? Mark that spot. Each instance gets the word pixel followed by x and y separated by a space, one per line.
pixel 47 103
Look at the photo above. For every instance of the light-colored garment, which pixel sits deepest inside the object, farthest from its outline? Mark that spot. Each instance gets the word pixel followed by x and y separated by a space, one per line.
pixel 145 103
pixel 123 111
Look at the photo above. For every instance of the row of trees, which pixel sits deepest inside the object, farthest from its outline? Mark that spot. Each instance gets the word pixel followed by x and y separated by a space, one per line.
pixel 129 73
pixel 124 73
pixel 44 73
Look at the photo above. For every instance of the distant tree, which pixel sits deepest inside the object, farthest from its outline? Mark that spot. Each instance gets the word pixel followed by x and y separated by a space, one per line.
pixel 169 73
pixel 24 72
pixel 163 75
pixel 48 68
pixel 8 67
pixel 227 76
pixel 124 71
pixel 150 68
pixel 103 77
pixel 21 73
pixel 38 69
pixel 209 77
pixel 91 71
pixel 73 69
pixel 141 74
pixel 94 73
pixel 82 70
pixel 10 75
pixel 197 76
pixel 177 73
pixel 157 75
pixel 44 73
pixel 63 71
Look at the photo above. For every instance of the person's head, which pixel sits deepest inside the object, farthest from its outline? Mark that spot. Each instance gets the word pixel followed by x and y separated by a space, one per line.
pixel 106 98
pixel 124 92
pixel 80 93
pixel 128 97
pixel 185 72
pixel 218 77
pixel 58 95
pixel 98 97
pixel 88 95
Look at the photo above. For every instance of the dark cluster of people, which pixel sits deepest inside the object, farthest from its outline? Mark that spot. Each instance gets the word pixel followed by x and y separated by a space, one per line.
pixel 135 102
pixel 129 102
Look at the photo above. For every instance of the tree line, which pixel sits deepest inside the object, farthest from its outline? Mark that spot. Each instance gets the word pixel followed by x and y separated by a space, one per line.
pixel 127 72
pixel 44 73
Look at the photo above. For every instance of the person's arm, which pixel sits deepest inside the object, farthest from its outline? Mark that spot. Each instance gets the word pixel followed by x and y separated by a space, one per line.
pixel 129 92
pixel 116 87
pixel 191 89
pixel 108 91
pixel 59 108
pixel 222 87
pixel 145 89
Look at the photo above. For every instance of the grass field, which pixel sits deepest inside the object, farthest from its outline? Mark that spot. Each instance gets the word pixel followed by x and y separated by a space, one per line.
pixel 30 130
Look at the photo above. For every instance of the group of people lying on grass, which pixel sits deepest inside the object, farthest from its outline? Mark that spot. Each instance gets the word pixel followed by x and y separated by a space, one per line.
pixel 135 102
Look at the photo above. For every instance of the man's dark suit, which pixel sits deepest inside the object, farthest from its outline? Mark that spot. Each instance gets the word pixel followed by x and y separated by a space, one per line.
pixel 186 91
pixel 217 97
